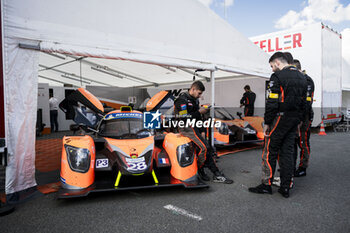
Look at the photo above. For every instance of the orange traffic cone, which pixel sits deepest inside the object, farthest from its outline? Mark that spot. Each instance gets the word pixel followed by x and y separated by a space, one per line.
pixel 322 130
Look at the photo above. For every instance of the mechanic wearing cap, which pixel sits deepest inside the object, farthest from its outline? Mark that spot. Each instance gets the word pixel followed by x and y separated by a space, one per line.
pixel 303 139
pixel 187 107
pixel 247 101
pixel 284 110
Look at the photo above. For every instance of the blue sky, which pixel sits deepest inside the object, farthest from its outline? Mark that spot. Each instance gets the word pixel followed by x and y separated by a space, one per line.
pixel 256 17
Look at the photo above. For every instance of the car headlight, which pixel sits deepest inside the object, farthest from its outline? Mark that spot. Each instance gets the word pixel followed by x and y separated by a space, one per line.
pixel 78 159
pixel 185 154
pixel 223 129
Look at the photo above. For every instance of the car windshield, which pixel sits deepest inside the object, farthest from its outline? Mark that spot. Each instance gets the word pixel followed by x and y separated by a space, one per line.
pixel 222 113
pixel 125 128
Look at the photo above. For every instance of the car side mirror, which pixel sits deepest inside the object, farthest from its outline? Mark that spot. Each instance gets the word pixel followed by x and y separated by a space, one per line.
pixel 87 128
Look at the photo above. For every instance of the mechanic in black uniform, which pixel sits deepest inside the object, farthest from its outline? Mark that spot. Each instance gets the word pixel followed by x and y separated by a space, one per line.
pixel 247 101
pixel 187 107
pixel 284 110
pixel 289 58
pixel 303 139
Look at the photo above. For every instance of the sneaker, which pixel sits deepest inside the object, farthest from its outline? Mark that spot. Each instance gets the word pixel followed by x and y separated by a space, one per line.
pixel 220 178
pixel 276 181
pixel 203 175
pixel 284 192
pixel 300 172
pixel 262 188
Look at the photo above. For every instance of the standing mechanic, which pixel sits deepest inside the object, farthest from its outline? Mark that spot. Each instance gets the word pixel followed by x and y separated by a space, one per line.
pixel 303 139
pixel 284 109
pixel 53 104
pixel 187 107
pixel 247 101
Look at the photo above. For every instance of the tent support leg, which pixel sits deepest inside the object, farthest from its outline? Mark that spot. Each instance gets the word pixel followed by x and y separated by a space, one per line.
pixel 212 81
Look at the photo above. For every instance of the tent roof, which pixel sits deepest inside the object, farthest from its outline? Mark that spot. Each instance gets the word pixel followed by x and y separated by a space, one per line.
pixel 58 69
pixel 182 33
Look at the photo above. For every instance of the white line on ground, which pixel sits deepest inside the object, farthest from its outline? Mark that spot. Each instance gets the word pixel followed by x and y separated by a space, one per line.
pixel 183 212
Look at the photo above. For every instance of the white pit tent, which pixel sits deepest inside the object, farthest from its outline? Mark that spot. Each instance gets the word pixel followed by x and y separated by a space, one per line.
pixel 168 33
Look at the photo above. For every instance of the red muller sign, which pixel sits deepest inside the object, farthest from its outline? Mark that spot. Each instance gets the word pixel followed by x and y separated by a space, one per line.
pixel 280 43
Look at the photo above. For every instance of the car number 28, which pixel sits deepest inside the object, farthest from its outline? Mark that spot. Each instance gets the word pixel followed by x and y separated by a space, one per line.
pixel 137 166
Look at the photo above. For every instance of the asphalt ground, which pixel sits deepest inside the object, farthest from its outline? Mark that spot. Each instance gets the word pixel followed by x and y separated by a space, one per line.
pixel 319 202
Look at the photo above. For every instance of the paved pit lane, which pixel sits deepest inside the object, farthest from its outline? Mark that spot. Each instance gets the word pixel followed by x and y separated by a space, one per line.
pixel 319 202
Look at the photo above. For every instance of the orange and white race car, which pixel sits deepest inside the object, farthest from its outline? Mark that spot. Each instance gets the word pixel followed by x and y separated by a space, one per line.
pixel 237 130
pixel 115 152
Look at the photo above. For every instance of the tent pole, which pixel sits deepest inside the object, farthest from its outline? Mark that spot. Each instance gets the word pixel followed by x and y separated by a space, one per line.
pixel 212 80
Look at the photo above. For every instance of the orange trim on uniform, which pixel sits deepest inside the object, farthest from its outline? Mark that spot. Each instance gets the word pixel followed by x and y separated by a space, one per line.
pixel 302 150
pixel 268 152
pixel 267 160
pixel 205 148
pixel 307 146
pixel 278 120
pixel 282 94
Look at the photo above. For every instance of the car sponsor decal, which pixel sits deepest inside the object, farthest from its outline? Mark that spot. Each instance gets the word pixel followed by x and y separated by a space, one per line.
pixel 141 159
pixel 63 180
pixel 120 115
pixel 136 164
pixel 100 163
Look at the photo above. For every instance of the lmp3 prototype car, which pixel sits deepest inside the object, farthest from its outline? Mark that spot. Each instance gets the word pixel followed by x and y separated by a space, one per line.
pixel 232 130
pixel 237 131
pixel 117 153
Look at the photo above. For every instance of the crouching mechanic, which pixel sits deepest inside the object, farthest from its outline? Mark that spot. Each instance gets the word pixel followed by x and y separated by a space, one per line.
pixel 187 107
pixel 284 109
pixel 303 139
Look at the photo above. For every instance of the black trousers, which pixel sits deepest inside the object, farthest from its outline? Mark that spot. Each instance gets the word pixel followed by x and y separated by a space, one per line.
pixel 53 120
pixel 279 144
pixel 303 141
pixel 205 155
pixel 249 111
